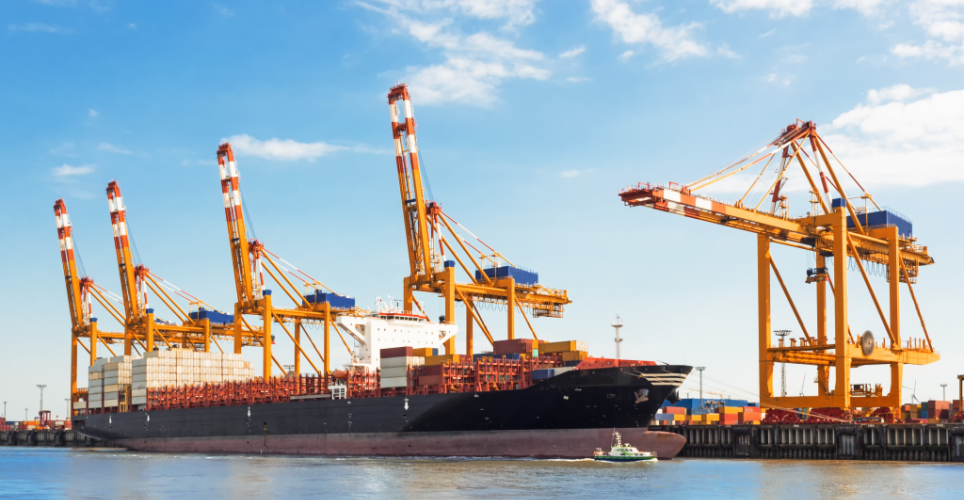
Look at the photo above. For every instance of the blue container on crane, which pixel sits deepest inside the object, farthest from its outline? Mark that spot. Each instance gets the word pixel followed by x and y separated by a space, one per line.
pixel 215 317
pixel 521 276
pixel 882 218
pixel 336 301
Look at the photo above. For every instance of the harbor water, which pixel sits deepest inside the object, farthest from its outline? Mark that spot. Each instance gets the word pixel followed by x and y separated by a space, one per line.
pixel 93 473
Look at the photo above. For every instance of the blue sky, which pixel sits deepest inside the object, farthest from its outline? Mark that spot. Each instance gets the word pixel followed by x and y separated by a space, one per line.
pixel 532 115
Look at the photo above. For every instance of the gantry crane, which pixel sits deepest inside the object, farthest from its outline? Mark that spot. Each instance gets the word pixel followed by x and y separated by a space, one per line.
pixel 430 271
pixel 833 229
pixel 196 330
pixel 80 289
pixel 315 306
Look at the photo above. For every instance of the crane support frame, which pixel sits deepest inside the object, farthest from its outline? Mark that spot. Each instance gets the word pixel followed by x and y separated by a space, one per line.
pixel 831 233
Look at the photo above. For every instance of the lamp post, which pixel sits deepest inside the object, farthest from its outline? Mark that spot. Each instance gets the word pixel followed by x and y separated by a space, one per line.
pixel 700 369
pixel 617 324
pixel 783 366
pixel 944 388
pixel 67 400
pixel 41 386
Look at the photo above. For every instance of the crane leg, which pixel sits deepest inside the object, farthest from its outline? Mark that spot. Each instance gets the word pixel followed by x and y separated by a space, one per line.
pixel 763 297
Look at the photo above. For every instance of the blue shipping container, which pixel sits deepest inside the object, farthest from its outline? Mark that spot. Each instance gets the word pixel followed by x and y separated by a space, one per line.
pixel 521 276
pixel 885 218
pixel 336 301
pixel 216 318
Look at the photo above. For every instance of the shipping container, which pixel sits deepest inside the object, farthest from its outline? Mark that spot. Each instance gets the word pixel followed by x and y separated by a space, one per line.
pixel 564 346
pixel 336 301
pixel 444 358
pixel 397 352
pixel 214 317
pixel 521 276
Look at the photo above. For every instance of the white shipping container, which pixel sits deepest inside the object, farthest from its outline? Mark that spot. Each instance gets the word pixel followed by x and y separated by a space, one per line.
pixel 138 392
pixel 139 400
pixel 401 371
pixel 402 361
pixel 110 403
pixel 394 382
pixel 80 405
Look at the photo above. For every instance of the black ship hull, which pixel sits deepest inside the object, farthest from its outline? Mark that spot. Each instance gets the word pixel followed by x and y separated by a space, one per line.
pixel 566 416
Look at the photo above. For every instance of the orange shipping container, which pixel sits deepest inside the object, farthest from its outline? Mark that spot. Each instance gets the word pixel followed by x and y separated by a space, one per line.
pixel 574 356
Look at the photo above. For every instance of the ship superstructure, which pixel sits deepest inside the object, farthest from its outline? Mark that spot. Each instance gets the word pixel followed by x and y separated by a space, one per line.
pixel 392 327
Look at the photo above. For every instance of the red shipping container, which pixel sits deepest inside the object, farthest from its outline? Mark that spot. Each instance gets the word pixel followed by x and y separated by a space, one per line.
pixel 514 346
pixel 432 370
pixel 674 410
pixel 430 380
pixel 397 352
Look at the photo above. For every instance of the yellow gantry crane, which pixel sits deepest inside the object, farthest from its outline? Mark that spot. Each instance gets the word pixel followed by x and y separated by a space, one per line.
pixel 80 289
pixel 431 270
pixel 318 305
pixel 198 327
pixel 835 229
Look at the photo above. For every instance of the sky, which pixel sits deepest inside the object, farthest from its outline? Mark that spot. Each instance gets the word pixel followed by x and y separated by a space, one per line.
pixel 532 116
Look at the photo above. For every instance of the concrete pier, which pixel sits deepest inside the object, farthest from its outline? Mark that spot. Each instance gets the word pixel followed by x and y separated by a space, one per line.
pixel 899 442
pixel 48 437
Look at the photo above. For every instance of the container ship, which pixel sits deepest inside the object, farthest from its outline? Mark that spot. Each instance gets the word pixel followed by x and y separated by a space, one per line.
pixel 397 395
pixel 397 401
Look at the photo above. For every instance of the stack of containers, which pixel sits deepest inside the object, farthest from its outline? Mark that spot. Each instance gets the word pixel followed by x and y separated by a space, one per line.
pixel 751 415
pixel 671 415
pixel 95 385
pixel 185 367
pixel 395 364
pixel 729 415
pixel 572 351
pixel 235 369
pixel 117 378
pixel 515 349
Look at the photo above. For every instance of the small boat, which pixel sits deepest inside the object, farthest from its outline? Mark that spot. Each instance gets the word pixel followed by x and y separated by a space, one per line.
pixel 622 452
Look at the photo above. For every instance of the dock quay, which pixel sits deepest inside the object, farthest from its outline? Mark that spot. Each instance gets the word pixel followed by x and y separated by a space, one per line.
pixel 64 438
pixel 877 442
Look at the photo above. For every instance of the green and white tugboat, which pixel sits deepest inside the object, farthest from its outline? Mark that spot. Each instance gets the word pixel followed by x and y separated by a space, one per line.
pixel 622 452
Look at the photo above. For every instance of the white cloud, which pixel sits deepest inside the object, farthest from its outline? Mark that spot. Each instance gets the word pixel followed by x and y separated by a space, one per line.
pixel 66 170
pixel 577 79
pixel 777 8
pixel 913 143
pixel 132 26
pixel 281 149
pixel 92 113
pixel 516 12
pixel 865 7
pixel 632 28
pixel 474 65
pixel 570 173
pixel 37 28
pixel 796 59
pixel 943 21
pixel 572 53
pixel 106 146
pixel 783 8
pixel 900 93
pixel 625 56
pixel 724 50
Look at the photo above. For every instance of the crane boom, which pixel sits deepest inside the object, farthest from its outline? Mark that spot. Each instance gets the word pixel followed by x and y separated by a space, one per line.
pixel 237 233
pixel 71 277
pixel 410 182
pixel 125 262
